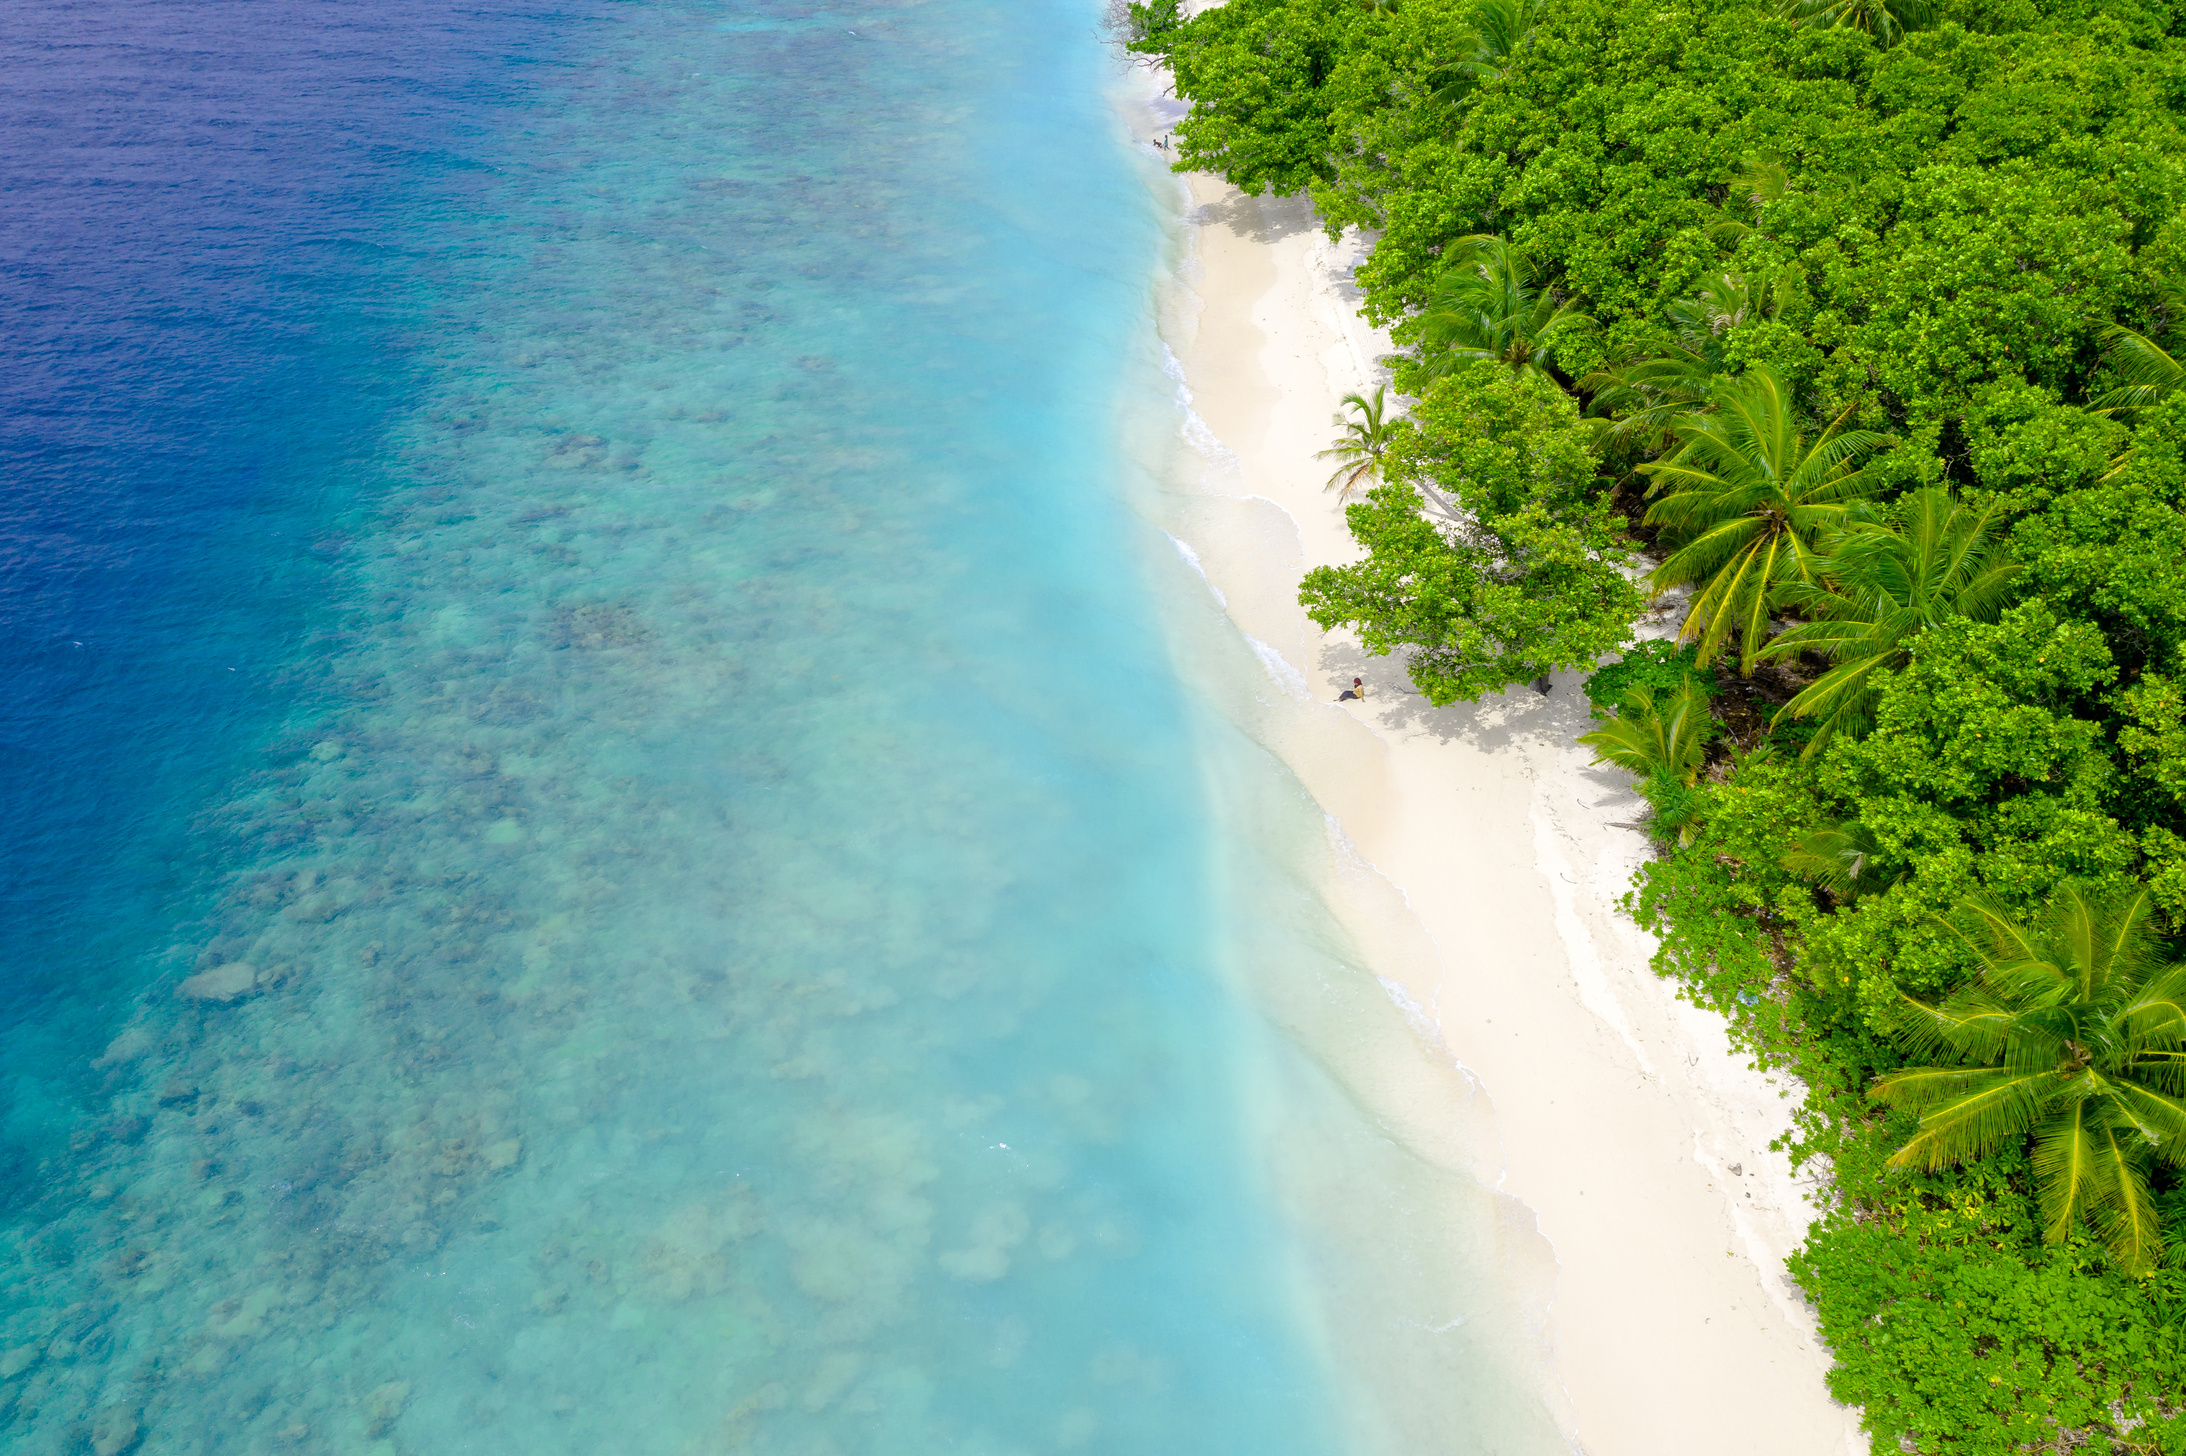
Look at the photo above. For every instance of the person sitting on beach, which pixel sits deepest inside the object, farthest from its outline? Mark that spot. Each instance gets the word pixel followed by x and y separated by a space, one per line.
pixel 1357 691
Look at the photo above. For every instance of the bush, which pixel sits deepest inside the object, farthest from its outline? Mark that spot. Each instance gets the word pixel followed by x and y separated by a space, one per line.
pixel 1660 667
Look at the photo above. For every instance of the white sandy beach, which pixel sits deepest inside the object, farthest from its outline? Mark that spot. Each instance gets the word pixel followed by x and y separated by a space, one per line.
pixel 1632 1134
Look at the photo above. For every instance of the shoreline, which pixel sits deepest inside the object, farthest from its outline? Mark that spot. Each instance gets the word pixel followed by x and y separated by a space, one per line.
pixel 1670 1324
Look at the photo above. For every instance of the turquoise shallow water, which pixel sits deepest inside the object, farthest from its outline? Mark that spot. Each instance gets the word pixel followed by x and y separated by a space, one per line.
pixel 716 930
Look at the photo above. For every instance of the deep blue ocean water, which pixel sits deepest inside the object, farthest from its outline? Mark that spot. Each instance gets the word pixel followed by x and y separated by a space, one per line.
pixel 601 850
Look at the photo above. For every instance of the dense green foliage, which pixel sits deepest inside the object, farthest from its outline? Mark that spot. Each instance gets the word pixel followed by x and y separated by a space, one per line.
pixel 1953 234
pixel 1651 665
pixel 1487 556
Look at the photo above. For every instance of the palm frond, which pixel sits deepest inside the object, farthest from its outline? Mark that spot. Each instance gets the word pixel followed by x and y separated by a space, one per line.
pixel 2066 1153
pixel 1652 736
pixel 1366 439
pixel 2125 1210
pixel 1843 857
pixel 2158 1117
pixel 1968 1023
pixel 1991 1107
pixel 2147 370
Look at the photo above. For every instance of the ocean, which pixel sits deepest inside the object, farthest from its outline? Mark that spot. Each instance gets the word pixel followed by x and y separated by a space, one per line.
pixel 604 846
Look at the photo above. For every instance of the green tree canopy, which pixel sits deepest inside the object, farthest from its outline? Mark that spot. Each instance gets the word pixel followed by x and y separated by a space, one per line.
pixel 1485 562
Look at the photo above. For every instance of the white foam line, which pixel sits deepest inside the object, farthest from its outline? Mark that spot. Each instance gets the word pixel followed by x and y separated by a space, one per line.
pixel 1424 1020
pixel 1279 668
pixel 1191 559
pixel 1428 1024
pixel 1197 432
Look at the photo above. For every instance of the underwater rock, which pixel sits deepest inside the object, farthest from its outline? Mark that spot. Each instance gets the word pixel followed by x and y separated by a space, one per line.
pixel 503 1155
pixel 127 1047
pixel 840 1262
pixel 14 1362
pixel 836 1371
pixel 688 1255
pixel 995 1232
pixel 593 626
pixel 231 982
pixel 977 1266
pixel 384 1406
pixel 114 1432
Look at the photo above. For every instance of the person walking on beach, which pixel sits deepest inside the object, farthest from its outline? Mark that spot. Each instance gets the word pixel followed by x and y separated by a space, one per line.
pixel 1356 692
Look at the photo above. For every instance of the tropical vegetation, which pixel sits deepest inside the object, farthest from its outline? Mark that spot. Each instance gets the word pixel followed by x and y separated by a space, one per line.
pixel 1368 429
pixel 1850 331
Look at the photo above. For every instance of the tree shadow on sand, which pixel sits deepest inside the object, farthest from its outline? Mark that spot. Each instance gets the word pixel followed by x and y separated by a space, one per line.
pixel 1260 219
pixel 1499 721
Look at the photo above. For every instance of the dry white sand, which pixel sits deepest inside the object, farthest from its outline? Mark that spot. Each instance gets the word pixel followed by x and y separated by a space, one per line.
pixel 1626 1125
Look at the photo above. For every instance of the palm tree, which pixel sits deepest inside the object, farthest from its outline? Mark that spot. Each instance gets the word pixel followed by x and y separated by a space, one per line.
pixel 1881 584
pixel 1657 737
pixel 2074 1031
pixel 1842 858
pixel 1487 306
pixel 1365 440
pixel 1885 20
pixel 1500 29
pixel 1759 180
pixel 1750 495
pixel 1664 741
pixel 2147 369
pixel 1670 375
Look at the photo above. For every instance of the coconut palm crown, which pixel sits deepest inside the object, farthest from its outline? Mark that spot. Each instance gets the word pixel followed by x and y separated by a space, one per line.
pixel 1747 499
pixel 1880 584
pixel 1669 374
pixel 1489 305
pixel 1651 736
pixel 1360 449
pixel 1886 20
pixel 2074 1032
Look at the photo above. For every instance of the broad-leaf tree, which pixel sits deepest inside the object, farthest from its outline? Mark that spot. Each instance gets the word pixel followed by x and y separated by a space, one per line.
pixel 1487 562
